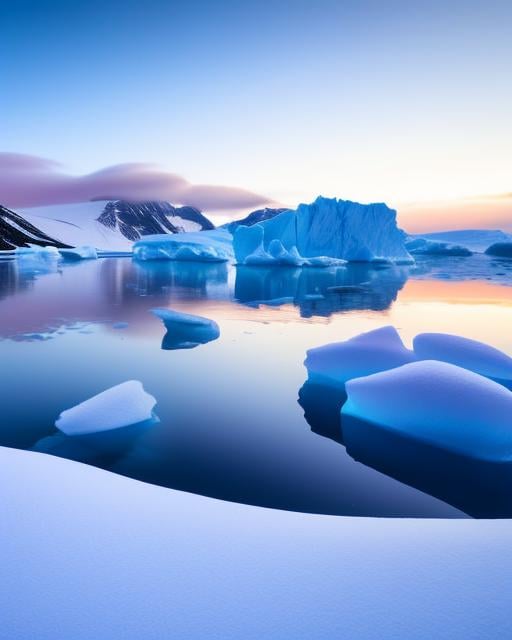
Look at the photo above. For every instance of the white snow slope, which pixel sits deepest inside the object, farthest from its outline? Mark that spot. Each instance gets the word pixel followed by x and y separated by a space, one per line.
pixel 86 554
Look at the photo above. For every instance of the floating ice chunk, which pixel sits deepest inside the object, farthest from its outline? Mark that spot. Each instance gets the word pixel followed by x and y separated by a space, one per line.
pixel 424 246
pixel 277 255
pixel 327 228
pixel 184 330
pixel 500 250
pixel 463 352
pixel 367 353
pixel 35 250
pixel 120 406
pixel 85 252
pixel 438 427
pixel 202 246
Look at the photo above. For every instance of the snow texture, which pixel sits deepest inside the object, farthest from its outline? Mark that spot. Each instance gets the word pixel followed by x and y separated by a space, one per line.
pixel 327 227
pixel 124 405
pixel 203 246
pixel 90 554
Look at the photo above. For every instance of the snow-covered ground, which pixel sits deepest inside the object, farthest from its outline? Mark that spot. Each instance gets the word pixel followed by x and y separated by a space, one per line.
pixel 86 554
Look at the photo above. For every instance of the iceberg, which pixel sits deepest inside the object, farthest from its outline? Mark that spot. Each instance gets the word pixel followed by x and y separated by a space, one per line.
pixel 327 228
pixel 438 427
pixel 426 247
pixel 184 330
pixel 365 354
pixel 202 246
pixel 463 352
pixel 124 405
pixel 85 252
pixel 500 250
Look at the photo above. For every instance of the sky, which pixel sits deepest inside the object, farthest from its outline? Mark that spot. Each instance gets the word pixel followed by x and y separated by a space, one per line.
pixel 251 103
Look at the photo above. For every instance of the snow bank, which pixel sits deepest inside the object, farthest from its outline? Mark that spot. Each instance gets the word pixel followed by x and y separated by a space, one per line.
pixel 424 246
pixel 367 353
pixel 85 252
pixel 202 246
pixel 328 227
pixel 184 330
pixel 463 352
pixel 500 249
pixel 154 563
pixel 124 405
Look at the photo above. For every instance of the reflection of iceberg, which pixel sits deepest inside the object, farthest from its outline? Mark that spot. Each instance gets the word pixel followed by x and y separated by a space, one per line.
pixel 184 330
pixel 440 428
pixel 322 406
pixel 321 292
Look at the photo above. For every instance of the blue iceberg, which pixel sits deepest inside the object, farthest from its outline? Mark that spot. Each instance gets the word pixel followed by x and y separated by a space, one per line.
pixel 201 246
pixel 184 330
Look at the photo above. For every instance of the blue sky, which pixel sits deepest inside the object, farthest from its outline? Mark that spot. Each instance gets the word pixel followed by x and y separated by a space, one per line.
pixel 406 102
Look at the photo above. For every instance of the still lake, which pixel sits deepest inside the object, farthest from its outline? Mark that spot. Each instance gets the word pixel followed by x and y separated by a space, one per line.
pixel 230 425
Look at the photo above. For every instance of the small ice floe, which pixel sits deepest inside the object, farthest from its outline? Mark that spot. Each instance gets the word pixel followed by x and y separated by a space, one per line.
pixel 201 246
pixel 34 251
pixel 84 252
pixel 424 246
pixel 463 352
pixel 184 330
pixel 438 427
pixel 500 250
pixel 120 325
pixel 124 405
pixel 367 353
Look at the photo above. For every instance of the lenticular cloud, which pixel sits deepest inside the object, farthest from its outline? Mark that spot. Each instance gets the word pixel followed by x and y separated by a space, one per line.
pixel 30 181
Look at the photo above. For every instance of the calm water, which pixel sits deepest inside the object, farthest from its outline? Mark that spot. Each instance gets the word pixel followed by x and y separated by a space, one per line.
pixel 230 423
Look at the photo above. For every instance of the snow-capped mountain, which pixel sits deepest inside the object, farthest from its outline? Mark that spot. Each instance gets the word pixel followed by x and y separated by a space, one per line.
pixel 15 231
pixel 111 225
pixel 254 217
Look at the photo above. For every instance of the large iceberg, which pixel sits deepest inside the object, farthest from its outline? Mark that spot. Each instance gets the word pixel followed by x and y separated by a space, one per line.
pixel 463 352
pixel 438 427
pixel 378 350
pixel 184 330
pixel 124 405
pixel 328 228
pixel 202 246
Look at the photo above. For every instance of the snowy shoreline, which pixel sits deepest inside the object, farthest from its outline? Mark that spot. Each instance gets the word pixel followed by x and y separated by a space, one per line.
pixel 97 555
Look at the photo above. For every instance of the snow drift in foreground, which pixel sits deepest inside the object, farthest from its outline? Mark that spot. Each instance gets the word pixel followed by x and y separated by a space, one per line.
pixel 155 563
pixel 124 405
pixel 328 227
pixel 203 246
pixel 184 330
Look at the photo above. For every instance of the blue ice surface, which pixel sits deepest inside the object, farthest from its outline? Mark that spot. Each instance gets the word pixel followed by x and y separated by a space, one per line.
pixel 326 228
pixel 438 427
pixel 425 246
pixel 197 246
pixel 500 250
pixel 184 330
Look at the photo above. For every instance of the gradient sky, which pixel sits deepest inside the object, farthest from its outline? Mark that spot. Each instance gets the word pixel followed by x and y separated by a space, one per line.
pixel 404 102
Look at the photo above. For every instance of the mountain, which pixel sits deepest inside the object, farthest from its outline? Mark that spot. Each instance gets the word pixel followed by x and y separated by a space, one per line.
pixel 15 231
pixel 112 225
pixel 253 218
pixel 474 239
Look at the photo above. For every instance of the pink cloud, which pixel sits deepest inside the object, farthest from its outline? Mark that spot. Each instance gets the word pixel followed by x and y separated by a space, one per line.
pixel 29 181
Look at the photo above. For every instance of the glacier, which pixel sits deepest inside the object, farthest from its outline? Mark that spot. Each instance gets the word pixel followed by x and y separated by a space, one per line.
pixel 124 405
pixel 184 330
pixel 201 246
pixel 326 228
